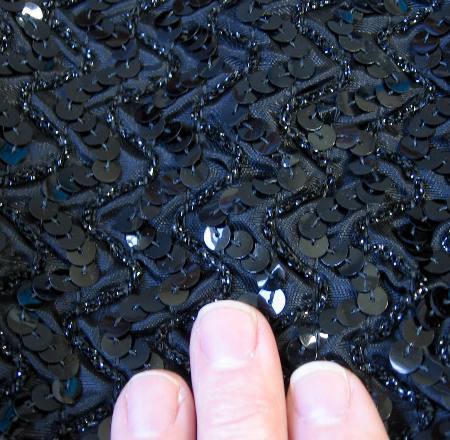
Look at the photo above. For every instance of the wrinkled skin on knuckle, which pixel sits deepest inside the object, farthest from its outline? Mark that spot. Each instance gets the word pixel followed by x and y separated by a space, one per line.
pixel 236 409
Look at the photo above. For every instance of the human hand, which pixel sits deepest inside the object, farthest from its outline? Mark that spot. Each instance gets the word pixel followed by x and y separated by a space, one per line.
pixel 238 390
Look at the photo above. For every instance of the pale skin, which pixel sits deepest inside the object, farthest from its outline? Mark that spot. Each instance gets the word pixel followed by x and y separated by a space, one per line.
pixel 238 391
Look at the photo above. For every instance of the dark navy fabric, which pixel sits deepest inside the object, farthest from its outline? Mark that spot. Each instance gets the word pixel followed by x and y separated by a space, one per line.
pixel 156 156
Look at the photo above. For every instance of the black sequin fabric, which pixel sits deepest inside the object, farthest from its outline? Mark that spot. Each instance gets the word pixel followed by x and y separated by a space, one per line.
pixel 157 155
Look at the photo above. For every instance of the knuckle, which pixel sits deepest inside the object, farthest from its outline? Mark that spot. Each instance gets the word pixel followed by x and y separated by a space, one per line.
pixel 237 412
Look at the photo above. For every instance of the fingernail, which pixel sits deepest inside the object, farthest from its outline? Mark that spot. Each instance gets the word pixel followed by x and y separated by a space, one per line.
pixel 148 418
pixel 228 333
pixel 321 393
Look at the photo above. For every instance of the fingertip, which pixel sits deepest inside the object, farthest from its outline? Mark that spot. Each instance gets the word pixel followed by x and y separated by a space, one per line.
pixel 154 404
pixel 219 318
pixel 321 393
pixel 325 399
pixel 234 324
pixel 227 303
pixel 236 374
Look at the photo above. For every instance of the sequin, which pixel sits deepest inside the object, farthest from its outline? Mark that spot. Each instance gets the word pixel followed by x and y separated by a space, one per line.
pixel 276 299
pixel 405 358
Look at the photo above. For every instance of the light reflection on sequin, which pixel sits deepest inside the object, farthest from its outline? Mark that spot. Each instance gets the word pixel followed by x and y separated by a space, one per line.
pixel 32 10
